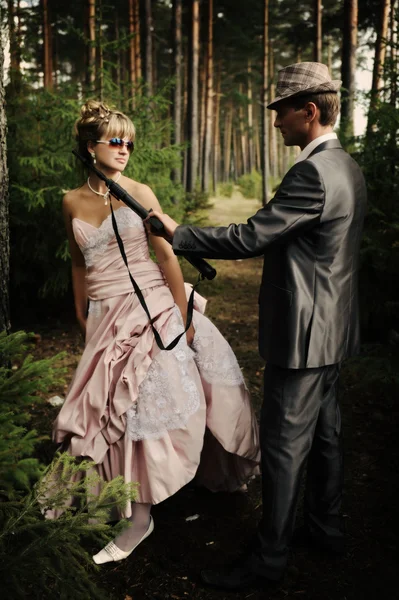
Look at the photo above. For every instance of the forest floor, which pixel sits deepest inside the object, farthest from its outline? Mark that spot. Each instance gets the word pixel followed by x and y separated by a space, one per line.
pixel 167 565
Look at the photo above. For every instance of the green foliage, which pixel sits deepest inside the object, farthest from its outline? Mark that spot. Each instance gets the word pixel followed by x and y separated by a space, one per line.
pixel 375 374
pixel 23 383
pixel 43 558
pixel 42 169
pixel 226 189
pixel 379 158
pixel 250 185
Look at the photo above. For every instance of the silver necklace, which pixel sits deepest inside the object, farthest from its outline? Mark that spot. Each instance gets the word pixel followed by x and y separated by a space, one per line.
pixel 107 193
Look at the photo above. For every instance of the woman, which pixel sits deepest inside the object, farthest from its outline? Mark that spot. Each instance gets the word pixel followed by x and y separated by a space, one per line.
pixel 134 410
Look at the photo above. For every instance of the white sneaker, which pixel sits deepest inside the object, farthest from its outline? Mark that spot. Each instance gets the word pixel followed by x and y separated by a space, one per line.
pixel 111 552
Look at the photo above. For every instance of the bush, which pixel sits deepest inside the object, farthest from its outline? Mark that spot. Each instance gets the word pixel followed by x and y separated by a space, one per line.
pixel 226 189
pixel 250 185
pixel 45 559
pixel 41 558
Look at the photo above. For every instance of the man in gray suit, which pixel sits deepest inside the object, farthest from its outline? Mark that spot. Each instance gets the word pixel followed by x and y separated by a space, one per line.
pixel 309 235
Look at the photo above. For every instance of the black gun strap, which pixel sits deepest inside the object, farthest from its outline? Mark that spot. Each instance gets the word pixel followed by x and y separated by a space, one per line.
pixel 140 296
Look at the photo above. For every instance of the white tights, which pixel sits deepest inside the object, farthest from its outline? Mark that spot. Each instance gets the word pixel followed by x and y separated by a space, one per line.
pixel 139 522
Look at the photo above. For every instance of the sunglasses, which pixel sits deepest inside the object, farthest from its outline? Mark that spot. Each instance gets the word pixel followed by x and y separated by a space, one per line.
pixel 117 143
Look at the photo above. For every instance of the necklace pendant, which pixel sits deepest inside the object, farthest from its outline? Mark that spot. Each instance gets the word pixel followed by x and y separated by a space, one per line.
pixel 106 202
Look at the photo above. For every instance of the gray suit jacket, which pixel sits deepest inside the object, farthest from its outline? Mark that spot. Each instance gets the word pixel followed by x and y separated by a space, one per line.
pixel 309 234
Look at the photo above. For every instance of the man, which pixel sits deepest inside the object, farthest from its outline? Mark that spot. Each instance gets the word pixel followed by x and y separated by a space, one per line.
pixel 309 235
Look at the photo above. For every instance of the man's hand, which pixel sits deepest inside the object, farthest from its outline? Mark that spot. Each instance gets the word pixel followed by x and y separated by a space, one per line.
pixel 168 223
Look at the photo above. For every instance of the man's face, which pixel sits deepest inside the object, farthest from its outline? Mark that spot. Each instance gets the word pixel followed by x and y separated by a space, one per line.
pixel 292 124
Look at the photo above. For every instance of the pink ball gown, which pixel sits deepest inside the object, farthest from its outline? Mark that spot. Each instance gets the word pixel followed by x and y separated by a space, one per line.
pixel 156 417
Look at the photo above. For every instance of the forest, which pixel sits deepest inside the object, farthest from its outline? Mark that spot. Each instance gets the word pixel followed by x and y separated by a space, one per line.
pixel 195 76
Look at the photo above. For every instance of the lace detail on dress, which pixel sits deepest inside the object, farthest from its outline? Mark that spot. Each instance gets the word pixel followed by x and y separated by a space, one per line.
pixel 97 243
pixel 157 410
pixel 94 308
pixel 213 356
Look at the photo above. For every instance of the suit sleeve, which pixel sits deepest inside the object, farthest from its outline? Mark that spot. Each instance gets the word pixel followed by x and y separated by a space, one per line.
pixel 296 207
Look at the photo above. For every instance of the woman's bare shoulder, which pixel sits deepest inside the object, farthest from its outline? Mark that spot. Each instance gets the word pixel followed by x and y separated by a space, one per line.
pixel 142 193
pixel 71 199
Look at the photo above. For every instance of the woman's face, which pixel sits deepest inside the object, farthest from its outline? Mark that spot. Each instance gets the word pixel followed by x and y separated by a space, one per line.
pixel 112 152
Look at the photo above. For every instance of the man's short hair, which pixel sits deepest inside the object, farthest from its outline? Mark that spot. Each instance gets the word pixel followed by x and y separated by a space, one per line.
pixel 327 102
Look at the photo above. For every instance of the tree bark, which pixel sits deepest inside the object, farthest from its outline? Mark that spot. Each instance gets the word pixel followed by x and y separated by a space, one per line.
pixel 273 152
pixel 15 57
pixel 228 128
pixel 379 59
pixel 47 48
pixel 216 131
pixel 264 145
pixel 318 11
pixel 4 220
pixel 132 50
pixel 243 140
pixel 137 40
pixel 202 83
pixel 192 160
pixel 250 121
pixel 209 102
pixel 92 45
pixel 100 53
pixel 177 92
pixel 349 46
pixel 148 48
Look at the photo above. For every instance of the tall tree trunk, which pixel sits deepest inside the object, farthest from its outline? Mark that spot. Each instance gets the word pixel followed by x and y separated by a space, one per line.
pixel 329 53
pixel 228 128
pixel 273 153
pixel 137 40
pixel 47 48
pixel 258 161
pixel 318 12
pixel 379 59
pixel 250 121
pixel 209 102
pixel 216 131
pixel 393 28
pixel 15 57
pixel 100 53
pixel 185 112
pixel 192 162
pixel 265 136
pixel 132 50
pixel 177 92
pixel 349 46
pixel 202 109
pixel 4 222
pixel 242 145
pixel 92 44
pixel 148 48
pixel 117 70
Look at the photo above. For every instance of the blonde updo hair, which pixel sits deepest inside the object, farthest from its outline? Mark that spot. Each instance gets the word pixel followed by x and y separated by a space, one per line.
pixel 96 120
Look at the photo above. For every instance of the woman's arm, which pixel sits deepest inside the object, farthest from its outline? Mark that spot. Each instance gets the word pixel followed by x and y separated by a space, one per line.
pixel 78 268
pixel 167 260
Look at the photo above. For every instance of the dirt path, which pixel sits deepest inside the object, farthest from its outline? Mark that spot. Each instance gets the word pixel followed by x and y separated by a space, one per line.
pixel 166 566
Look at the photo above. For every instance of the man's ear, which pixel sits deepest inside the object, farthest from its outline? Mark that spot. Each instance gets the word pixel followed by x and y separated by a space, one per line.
pixel 310 109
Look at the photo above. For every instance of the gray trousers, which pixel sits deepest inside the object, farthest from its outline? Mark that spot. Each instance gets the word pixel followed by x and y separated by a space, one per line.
pixel 300 422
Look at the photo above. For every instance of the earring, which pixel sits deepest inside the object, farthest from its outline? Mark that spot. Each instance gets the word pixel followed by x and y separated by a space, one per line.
pixel 93 157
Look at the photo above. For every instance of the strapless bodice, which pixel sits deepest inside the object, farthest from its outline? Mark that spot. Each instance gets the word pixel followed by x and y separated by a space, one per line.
pixel 107 275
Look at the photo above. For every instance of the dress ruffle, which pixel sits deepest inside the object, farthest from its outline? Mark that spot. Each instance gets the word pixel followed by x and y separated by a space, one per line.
pixel 153 416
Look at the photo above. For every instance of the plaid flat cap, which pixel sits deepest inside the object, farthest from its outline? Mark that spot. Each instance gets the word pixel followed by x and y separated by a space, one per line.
pixel 304 78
